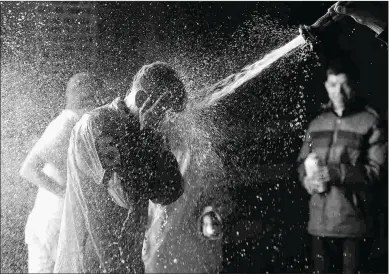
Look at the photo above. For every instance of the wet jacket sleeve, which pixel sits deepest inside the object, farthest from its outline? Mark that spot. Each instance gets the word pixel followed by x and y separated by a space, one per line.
pixel 304 151
pixel 367 171
pixel 170 184
pixel 383 36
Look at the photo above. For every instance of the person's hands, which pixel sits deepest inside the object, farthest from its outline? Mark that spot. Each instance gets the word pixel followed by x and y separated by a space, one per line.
pixel 311 163
pixel 321 175
pixel 318 182
pixel 309 185
pixel 109 154
pixel 321 178
pixel 152 112
pixel 366 13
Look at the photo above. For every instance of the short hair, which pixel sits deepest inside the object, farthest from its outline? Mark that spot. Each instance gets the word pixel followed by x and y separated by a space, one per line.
pixel 157 78
pixel 343 64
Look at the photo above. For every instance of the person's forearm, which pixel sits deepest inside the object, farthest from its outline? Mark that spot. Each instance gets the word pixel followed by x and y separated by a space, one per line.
pixel 37 177
pixel 346 174
pixel 49 184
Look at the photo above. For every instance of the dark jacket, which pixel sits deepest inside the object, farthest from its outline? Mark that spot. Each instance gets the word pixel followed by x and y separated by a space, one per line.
pixel 148 171
pixel 353 147
pixel 383 36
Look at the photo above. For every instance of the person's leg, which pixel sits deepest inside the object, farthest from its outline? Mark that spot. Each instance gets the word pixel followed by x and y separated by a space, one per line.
pixel 320 255
pixel 39 258
pixel 351 250
pixel 335 252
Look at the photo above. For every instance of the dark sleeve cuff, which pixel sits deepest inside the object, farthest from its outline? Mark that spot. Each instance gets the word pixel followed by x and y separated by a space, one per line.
pixel 335 173
pixel 383 36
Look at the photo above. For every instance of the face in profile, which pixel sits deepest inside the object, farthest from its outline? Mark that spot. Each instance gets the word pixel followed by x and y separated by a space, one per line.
pixel 339 89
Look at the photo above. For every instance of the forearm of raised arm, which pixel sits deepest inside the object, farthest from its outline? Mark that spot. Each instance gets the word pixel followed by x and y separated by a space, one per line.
pixel 32 171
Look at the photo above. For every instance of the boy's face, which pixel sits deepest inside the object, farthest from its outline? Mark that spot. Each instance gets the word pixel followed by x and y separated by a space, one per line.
pixel 339 89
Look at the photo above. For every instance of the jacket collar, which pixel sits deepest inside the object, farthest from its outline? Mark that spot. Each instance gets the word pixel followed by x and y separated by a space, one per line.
pixel 354 106
pixel 120 106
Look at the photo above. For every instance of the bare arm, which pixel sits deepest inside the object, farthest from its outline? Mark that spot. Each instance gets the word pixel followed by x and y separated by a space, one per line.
pixel 32 171
pixel 45 165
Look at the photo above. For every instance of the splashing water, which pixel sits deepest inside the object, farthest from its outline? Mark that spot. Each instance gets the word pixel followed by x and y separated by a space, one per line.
pixel 180 248
pixel 31 95
pixel 232 82
pixel 173 242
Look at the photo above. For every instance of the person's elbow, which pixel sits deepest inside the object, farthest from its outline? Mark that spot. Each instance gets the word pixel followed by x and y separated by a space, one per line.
pixel 25 169
pixel 29 167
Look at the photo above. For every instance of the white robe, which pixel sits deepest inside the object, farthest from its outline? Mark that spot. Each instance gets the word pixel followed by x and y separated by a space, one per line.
pixel 83 165
pixel 43 224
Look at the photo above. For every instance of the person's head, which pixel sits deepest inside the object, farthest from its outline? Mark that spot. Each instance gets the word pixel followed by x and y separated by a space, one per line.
pixel 81 91
pixel 156 89
pixel 342 76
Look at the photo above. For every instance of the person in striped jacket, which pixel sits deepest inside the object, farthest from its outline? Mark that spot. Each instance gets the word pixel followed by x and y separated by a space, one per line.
pixel 340 162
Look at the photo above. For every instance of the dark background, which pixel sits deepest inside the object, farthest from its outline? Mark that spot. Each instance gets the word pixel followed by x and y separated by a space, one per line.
pixel 205 41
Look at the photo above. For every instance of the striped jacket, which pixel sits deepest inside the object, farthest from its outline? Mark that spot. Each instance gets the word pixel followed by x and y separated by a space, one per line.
pixel 354 149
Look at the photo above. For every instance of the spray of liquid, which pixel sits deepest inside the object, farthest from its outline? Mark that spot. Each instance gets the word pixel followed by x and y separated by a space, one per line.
pixel 22 85
pixel 171 243
pixel 228 85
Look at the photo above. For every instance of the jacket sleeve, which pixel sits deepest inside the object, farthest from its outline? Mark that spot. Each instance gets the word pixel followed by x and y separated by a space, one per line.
pixel 304 151
pixel 383 36
pixel 368 170
pixel 170 183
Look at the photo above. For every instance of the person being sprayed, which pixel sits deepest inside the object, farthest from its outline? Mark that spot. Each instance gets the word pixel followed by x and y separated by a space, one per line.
pixel 45 167
pixel 118 160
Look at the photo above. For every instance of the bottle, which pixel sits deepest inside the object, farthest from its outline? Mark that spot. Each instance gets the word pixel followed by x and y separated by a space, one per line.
pixel 312 164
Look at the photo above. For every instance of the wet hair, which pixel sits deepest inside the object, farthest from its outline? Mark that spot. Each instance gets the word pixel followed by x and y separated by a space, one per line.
pixel 79 90
pixel 343 64
pixel 157 78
